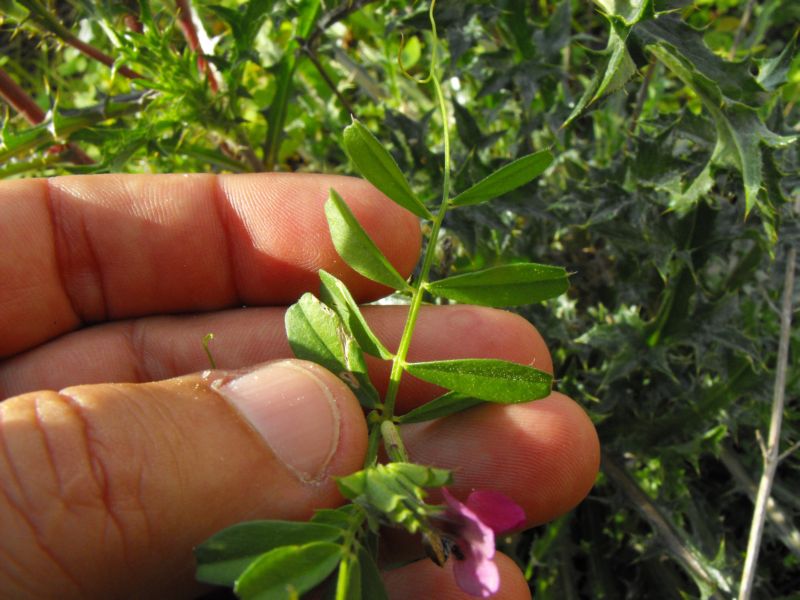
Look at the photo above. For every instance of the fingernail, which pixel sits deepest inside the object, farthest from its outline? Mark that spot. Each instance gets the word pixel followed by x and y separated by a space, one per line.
pixel 293 411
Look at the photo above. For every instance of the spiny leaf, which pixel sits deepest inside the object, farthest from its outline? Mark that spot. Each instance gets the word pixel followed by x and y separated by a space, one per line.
pixel 486 378
pixel 628 12
pixel 356 247
pixel 772 73
pixel 733 78
pixel 740 131
pixel 379 168
pixel 614 72
pixel 508 285
pixel 505 179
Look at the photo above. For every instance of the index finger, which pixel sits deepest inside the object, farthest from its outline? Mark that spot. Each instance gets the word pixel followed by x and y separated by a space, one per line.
pixel 85 249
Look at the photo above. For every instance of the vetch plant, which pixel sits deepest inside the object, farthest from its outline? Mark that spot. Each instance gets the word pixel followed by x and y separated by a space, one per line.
pixel 280 559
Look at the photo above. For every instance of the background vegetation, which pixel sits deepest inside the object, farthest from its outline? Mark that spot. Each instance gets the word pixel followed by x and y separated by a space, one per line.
pixel 671 199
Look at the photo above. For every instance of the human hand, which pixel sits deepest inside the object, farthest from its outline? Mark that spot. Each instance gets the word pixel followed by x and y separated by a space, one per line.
pixel 109 483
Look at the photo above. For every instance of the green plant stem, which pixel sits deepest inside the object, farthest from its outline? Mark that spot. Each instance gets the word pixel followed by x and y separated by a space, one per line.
pixel 395 447
pixel 399 361
pixel 372 445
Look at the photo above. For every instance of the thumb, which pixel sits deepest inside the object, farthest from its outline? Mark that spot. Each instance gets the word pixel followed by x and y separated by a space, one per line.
pixel 105 489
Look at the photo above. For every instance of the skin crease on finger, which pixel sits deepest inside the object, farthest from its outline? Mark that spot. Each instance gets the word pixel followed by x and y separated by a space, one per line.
pixel 87 249
pixel 156 348
pixel 103 515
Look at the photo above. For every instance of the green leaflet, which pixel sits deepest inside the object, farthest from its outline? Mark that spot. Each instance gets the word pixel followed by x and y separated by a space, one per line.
pixel 336 295
pixel 448 404
pixel 505 179
pixel 356 247
pixel 379 168
pixel 508 285
pixel 288 571
pixel 371 582
pixel 486 378
pixel 227 554
pixel 316 333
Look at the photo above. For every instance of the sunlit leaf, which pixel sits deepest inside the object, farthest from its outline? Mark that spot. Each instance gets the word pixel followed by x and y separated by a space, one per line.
pixel 379 168
pixel 316 333
pixel 288 571
pixel 356 247
pixel 740 131
pixel 508 285
pixel 505 179
pixel 613 72
pixel 734 79
pixel 486 378
pixel 336 295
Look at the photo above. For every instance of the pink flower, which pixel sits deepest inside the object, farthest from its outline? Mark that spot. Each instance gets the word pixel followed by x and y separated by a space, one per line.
pixel 474 524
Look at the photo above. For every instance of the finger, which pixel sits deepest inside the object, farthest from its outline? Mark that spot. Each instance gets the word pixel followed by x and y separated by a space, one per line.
pixel 157 348
pixel 86 249
pixel 423 579
pixel 544 454
pixel 105 490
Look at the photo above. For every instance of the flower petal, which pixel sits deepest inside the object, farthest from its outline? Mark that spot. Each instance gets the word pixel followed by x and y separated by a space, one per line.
pixel 477 578
pixel 495 510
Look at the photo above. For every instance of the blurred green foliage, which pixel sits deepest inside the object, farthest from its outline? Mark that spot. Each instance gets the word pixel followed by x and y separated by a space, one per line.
pixel 670 199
